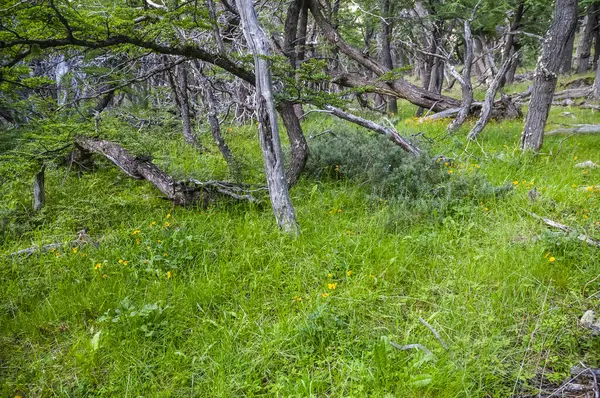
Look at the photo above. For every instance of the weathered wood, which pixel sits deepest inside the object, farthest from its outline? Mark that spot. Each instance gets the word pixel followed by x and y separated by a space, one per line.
pixel 577 129
pixel 267 119
pixel 180 192
pixel 464 80
pixel 564 22
pixel 387 131
pixel 82 240
pixel 490 95
pixel 39 196
pixel 565 228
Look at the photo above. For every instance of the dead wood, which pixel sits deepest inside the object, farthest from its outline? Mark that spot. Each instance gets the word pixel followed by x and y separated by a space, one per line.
pixel 83 239
pixel 565 228
pixel 577 129
pixel 387 131
pixel 182 193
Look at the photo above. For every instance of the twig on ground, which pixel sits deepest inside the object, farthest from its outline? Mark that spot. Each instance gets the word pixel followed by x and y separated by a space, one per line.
pixel 411 346
pixel 584 238
pixel 435 333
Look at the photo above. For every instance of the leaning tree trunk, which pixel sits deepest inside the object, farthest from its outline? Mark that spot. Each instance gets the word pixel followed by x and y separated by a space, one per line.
pixel 584 46
pixel 465 81
pixel 564 22
pixel 267 119
pixel 566 64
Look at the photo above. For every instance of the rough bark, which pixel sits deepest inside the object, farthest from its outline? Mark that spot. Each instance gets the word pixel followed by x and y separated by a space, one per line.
pixel 184 103
pixel 298 145
pixel 490 95
pixel 563 23
pixel 39 196
pixel 386 52
pixel 402 88
pixel 511 45
pixel 267 119
pixel 566 64
pixel 584 46
pixel 596 86
pixel 180 192
pixel 464 80
pixel 387 131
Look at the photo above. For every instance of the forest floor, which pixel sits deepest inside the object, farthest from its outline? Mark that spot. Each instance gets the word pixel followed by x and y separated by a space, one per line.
pixel 217 302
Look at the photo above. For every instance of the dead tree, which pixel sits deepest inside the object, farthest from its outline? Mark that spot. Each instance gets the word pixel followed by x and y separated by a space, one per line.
pixel 39 196
pixel 179 192
pixel 490 95
pixel 584 46
pixel 564 22
pixel 267 119
pixel 464 80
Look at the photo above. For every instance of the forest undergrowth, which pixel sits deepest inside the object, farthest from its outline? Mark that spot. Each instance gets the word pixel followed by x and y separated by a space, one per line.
pixel 217 302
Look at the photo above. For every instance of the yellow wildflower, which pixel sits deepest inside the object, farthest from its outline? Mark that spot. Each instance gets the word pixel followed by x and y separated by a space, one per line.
pixel 324 294
pixel 97 266
pixel 137 231
pixel 125 262
pixel 166 224
pixel 297 298
pixel 486 209
pixel 450 171
pixel 168 215
pixel 515 182
pixel 331 286
pixel 169 275
pixel 589 189
pixel 349 273
pixel 552 259
pixel 153 223
pixel 75 250
pixel 330 275
pixel 547 254
pixel 120 261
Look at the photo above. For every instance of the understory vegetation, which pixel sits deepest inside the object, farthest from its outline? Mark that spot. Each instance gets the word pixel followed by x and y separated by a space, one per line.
pixel 215 301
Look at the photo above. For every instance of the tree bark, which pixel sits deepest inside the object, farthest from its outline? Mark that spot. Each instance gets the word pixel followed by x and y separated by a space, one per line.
pixel 584 46
pixel 564 21
pixel 511 45
pixel 596 86
pixel 490 95
pixel 180 192
pixel 566 66
pixel 267 120
pixel 387 131
pixel 39 196
pixel 386 53
pixel 298 145
pixel 401 87
pixel 465 81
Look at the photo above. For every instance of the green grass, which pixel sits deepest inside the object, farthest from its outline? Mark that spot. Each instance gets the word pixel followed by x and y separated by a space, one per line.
pixel 219 303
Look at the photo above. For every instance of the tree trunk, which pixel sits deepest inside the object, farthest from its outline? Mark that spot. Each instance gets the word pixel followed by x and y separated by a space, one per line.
pixel 267 119
pixel 298 145
pixel 465 81
pixel 566 65
pixel 386 53
pixel 596 86
pixel 400 87
pixel 564 21
pixel 584 46
pixel 490 95
pixel 39 196
pixel 511 45
pixel 184 101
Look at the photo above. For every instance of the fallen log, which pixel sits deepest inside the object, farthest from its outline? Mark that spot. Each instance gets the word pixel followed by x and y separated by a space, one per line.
pixel 565 228
pixel 179 192
pixel 577 129
pixel 82 240
pixel 387 131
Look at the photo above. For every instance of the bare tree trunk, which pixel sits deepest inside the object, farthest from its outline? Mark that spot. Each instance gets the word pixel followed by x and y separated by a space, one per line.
pixel 511 45
pixel 584 46
pixel 566 65
pixel 298 145
pixel 465 81
pixel 39 196
pixel 267 120
pixel 212 14
pixel 564 21
pixel 386 53
pixel 490 95
pixel 596 87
